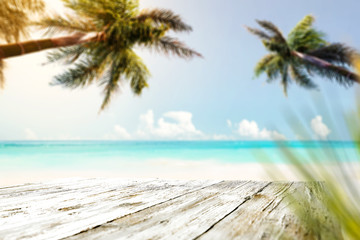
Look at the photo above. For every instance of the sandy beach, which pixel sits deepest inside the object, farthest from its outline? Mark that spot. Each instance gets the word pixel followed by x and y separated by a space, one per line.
pixel 177 170
pixel 158 170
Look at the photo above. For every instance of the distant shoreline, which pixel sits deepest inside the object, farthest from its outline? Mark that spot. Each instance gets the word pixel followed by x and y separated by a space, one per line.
pixel 172 170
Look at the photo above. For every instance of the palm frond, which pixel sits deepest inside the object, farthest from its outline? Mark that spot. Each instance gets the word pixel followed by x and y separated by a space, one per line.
pixel 271 28
pixel 104 12
pixel 129 66
pixel 169 45
pixel 34 5
pixel 274 68
pixel 337 53
pixel 303 37
pixel 302 26
pixel 66 55
pixel 137 72
pixel 301 78
pixel 261 34
pixel 263 64
pixel 305 41
pixel 85 71
pixel 81 75
pixel 342 77
pixel 112 84
pixel 15 17
pixel 93 10
pixel 285 79
pixel 304 53
pixel 112 59
pixel 276 46
pixel 65 24
pixel 166 17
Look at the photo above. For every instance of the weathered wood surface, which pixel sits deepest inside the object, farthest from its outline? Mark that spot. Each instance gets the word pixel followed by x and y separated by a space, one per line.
pixel 156 209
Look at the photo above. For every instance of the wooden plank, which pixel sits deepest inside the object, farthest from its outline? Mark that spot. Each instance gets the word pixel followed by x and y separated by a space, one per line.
pixel 185 217
pixel 61 196
pixel 49 214
pixel 57 190
pixel 156 209
pixel 270 215
pixel 66 184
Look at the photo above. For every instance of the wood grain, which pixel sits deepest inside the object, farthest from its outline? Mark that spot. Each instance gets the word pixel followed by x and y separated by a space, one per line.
pixel 159 209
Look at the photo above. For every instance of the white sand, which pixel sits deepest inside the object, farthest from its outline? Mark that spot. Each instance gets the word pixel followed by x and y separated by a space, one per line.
pixel 171 169
pixel 155 169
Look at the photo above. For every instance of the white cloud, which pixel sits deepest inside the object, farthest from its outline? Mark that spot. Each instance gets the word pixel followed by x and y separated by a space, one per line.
pixel 320 129
pixel 121 133
pixel 173 125
pixel 178 125
pixel 30 134
pixel 250 130
pixel 146 122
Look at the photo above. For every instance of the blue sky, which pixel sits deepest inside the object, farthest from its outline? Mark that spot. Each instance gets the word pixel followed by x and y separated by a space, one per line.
pixel 212 98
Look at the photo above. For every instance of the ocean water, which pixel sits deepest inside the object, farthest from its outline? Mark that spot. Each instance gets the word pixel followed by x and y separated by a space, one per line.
pixel 113 155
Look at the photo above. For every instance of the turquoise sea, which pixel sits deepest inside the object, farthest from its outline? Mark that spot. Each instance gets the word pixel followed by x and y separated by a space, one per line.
pixel 110 155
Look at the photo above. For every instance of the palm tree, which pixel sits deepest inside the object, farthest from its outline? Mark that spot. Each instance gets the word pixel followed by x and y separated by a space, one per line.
pixel 100 41
pixel 14 19
pixel 303 54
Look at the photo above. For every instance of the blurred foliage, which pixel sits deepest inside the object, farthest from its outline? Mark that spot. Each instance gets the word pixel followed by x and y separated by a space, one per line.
pixel 99 42
pixel 301 55
pixel 14 20
pixel 15 17
pixel 111 59
pixel 333 174
pixel 334 170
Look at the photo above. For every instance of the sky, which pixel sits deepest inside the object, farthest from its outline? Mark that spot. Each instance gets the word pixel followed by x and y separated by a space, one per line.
pixel 210 98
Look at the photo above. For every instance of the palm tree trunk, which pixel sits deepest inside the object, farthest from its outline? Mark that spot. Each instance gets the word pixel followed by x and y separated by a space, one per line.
pixel 21 48
pixel 326 65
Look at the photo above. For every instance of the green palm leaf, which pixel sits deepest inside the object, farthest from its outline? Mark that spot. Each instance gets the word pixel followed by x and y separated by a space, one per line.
pixel 166 17
pixel 274 68
pixel 303 54
pixel 108 58
pixel 271 28
pixel 285 80
pixel 15 17
pixel 126 65
pixel 302 26
pixel 337 53
pixel 169 45
pixel 262 65
pixel 85 70
pixel 111 81
pixel 341 77
pixel 66 55
pixel 65 24
pixel 261 34
pixel 301 78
